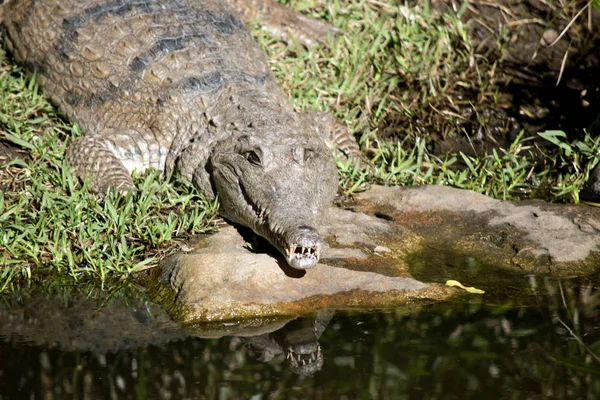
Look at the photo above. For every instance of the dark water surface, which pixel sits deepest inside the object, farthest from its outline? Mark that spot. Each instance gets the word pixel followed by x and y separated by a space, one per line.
pixel 59 345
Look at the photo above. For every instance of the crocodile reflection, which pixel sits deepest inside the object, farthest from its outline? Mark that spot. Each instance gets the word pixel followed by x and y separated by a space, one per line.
pixel 70 321
pixel 298 340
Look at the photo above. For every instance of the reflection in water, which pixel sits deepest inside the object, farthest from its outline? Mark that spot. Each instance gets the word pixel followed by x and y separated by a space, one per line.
pixel 547 346
pixel 298 340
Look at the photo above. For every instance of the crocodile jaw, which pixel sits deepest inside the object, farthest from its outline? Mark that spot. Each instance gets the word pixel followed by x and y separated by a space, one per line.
pixel 301 247
pixel 305 363
pixel 302 257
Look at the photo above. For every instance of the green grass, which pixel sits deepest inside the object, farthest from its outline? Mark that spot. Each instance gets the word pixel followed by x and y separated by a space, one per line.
pixel 51 225
pixel 397 63
pixel 393 63
pixel 508 174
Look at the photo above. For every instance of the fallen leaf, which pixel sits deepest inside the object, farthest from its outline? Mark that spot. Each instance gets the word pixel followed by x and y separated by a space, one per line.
pixel 470 289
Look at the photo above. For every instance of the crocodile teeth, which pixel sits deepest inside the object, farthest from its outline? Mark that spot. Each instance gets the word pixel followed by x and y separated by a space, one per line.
pixel 302 251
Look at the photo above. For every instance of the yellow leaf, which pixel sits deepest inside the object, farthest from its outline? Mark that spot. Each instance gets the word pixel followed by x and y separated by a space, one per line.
pixel 470 289
pixel 590 203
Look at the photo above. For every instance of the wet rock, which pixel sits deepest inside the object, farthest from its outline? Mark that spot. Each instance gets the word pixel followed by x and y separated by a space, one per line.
pixel 531 236
pixel 371 253
pixel 223 280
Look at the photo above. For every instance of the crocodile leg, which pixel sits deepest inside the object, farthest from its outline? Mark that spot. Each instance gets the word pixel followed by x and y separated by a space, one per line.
pixel 191 165
pixel 90 158
pixel 107 158
pixel 335 134
pixel 283 22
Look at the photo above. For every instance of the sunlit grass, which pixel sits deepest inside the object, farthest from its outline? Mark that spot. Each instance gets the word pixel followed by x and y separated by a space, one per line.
pixel 50 224
pixel 392 62
pixel 395 62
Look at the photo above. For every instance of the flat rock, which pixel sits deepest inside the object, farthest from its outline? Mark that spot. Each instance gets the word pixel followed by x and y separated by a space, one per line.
pixel 530 236
pixel 223 280
pixel 375 248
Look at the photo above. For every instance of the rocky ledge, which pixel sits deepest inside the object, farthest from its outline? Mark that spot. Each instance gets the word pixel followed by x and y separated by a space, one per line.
pixel 377 245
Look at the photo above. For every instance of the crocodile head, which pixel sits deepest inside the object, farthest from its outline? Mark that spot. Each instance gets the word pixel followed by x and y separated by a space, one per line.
pixel 305 360
pixel 278 187
pixel 299 340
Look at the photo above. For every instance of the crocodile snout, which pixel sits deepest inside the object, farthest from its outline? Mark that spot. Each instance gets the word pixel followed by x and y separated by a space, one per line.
pixel 303 248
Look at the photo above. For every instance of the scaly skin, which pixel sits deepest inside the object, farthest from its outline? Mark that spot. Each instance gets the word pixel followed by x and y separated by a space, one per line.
pixel 179 85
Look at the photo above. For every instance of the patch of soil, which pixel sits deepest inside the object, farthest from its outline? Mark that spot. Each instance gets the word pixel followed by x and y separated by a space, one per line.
pixel 524 92
pixel 541 98
pixel 8 153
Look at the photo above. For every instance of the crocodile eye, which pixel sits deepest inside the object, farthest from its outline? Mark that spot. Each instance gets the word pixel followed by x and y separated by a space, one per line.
pixel 252 157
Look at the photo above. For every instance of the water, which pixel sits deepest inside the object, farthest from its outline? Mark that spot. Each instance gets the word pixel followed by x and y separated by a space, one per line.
pixel 546 345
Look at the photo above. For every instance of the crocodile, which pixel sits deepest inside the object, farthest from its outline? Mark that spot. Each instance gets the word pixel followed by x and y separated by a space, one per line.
pixel 182 87
pixel 298 340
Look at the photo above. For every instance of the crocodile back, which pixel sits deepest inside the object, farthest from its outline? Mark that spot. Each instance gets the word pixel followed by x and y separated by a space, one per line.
pixel 112 63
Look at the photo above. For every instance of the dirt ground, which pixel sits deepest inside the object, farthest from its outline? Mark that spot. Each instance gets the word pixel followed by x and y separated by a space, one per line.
pixel 531 84
pixel 8 153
